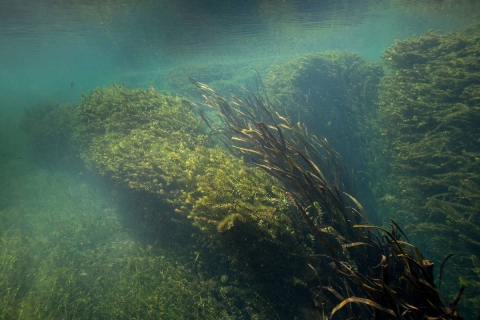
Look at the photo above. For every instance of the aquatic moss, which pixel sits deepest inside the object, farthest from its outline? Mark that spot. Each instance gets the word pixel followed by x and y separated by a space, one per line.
pixel 136 136
pixel 154 144
pixel 117 110
pixel 15 262
pixel 334 93
pixel 429 113
pixel 70 255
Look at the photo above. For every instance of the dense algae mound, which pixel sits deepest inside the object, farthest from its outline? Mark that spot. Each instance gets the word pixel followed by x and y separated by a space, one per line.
pixel 235 237
pixel 430 114
pixel 333 93
pixel 137 136
pixel 155 144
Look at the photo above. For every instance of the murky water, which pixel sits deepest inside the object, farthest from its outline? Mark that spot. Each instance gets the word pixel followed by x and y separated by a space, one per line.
pixel 80 241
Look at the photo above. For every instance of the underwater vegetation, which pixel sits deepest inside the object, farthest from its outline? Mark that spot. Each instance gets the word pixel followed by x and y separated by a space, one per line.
pixel 334 94
pixel 68 255
pixel 430 114
pixel 385 275
pixel 155 144
pixel 264 212
pixel 137 136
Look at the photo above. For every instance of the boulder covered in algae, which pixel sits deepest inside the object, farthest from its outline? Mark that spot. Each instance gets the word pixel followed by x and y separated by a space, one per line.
pixel 155 144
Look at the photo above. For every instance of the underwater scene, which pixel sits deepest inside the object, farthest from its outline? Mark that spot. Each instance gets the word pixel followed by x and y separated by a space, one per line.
pixel 260 159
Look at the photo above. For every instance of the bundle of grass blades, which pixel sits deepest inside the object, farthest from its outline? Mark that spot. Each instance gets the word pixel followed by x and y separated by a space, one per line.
pixel 384 276
pixel 429 112
pixel 332 92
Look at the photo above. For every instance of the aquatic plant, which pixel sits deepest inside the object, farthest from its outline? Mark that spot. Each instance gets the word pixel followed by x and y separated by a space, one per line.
pixel 387 276
pixel 68 254
pixel 136 136
pixel 334 94
pixel 332 87
pixel 156 147
pixel 429 113
pixel 15 260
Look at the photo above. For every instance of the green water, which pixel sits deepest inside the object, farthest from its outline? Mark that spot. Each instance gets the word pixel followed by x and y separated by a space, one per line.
pixel 78 243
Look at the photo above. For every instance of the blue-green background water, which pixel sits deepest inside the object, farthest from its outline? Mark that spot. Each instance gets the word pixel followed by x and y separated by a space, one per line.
pixel 47 45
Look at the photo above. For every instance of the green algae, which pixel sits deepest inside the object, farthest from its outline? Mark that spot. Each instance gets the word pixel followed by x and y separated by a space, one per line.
pixel 69 255
pixel 302 162
pixel 155 149
pixel 334 93
pixel 429 114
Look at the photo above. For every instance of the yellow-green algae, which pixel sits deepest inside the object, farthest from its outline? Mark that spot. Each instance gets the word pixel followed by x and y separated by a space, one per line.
pixel 155 146
pixel 430 114
pixel 65 253
pixel 155 143
pixel 65 256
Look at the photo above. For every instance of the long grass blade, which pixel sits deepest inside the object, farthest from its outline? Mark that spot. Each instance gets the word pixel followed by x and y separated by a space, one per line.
pixel 441 269
pixel 363 301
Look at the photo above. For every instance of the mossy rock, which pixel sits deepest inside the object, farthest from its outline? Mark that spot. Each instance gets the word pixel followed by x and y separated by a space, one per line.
pixel 135 135
pixel 429 114
pixel 155 144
